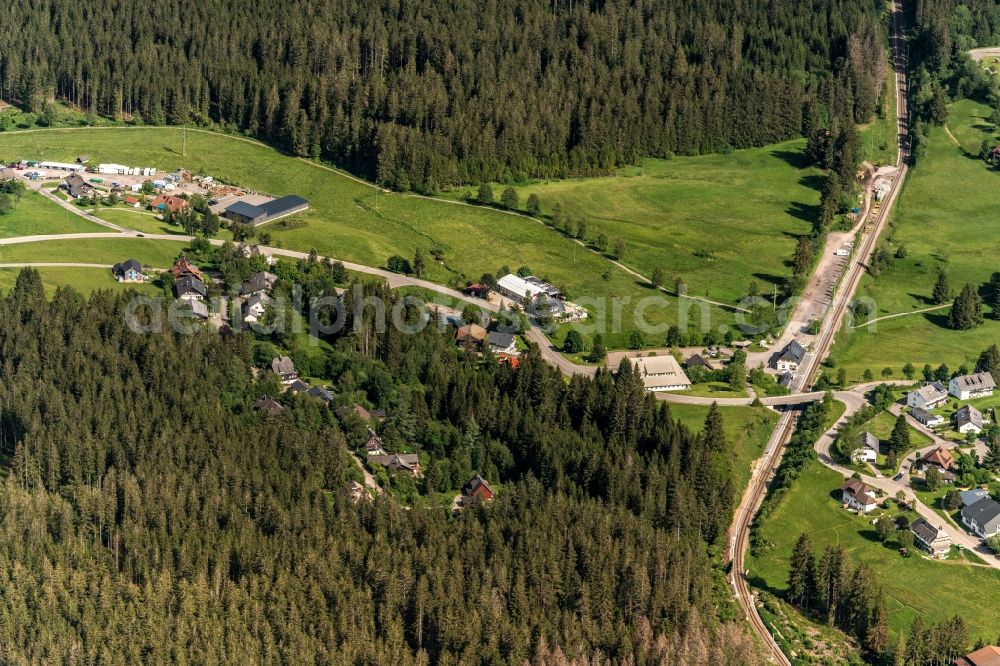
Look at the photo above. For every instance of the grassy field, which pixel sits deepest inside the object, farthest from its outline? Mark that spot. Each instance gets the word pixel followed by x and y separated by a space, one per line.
pixel 84 280
pixel 155 253
pixel 946 219
pixel 715 221
pixel 355 221
pixel 34 214
pixel 878 138
pixel 747 427
pixel 913 586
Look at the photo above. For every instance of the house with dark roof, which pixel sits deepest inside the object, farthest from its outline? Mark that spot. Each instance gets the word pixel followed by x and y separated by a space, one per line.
pixel 297 386
pixel 699 361
pixel 967 387
pixel 790 357
pixel 245 213
pixel 268 406
pixel 373 446
pixel 189 288
pixel 973 495
pixel 986 656
pixel 258 282
pixel 858 496
pixel 285 369
pixel 478 487
pixel 129 270
pixel 933 540
pixel 968 419
pixel 983 517
pixel 925 417
pixel 928 396
pixel 502 343
pixel 255 307
pixel 785 379
pixel 320 393
pixel 76 186
pixel 399 462
pixel 868 448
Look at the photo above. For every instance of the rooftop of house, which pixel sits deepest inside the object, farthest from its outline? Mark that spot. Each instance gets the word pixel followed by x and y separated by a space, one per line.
pixel 127 265
pixel 475 483
pixel 470 332
pixel 931 391
pixel 793 351
pixel 922 414
pixel 868 440
pixel 265 404
pixel 941 457
pixel 501 340
pixel 925 531
pixel 981 381
pixel 187 284
pixel 969 414
pixel 984 511
pixel 858 488
pixel 987 656
pixel 282 365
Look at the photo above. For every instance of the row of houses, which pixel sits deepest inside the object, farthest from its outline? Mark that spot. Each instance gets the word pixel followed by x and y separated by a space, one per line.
pixel 963 387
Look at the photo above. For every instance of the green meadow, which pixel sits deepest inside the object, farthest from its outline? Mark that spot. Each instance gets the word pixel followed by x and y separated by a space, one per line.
pixel 914 586
pixel 946 219
pixel 354 221
pixel 84 280
pixel 714 221
pixel 34 214
pixel 106 251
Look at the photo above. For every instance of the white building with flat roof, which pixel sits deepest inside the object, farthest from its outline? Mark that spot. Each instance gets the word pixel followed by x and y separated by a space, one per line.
pixel 60 166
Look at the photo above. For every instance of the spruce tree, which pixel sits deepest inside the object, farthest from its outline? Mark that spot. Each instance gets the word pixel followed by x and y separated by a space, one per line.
pixel 899 440
pixel 942 292
pixel 967 310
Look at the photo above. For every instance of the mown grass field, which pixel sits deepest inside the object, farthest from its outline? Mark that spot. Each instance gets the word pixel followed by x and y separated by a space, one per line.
pixel 748 428
pixel 715 221
pixel 878 138
pixel 946 217
pixel 913 586
pixel 354 221
pixel 84 280
pixel 109 251
pixel 34 214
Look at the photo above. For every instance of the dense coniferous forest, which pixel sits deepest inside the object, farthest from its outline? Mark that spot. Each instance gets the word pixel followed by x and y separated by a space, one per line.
pixel 426 94
pixel 149 515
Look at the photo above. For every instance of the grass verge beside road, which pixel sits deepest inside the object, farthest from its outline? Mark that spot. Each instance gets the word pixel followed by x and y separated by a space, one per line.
pixel 34 214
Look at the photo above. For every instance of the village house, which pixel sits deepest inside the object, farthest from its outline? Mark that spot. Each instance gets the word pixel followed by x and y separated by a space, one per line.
pixel 285 369
pixel 858 496
pixel 502 343
pixel 786 379
pixel 254 308
pixel 251 251
pixel 356 410
pixel 183 267
pixel 661 373
pixel 470 336
pixel 517 288
pixel 987 656
pixel 926 418
pixel 478 487
pixel 320 393
pixel 168 203
pixel 983 517
pixel 129 270
pixel 189 288
pixel 297 386
pixel 373 446
pixel 258 283
pixel 867 450
pixel 968 419
pixel 930 539
pixel 967 387
pixel 399 462
pixel 699 361
pixel 790 357
pixel 76 186
pixel 268 406
pixel 928 396
pixel 940 458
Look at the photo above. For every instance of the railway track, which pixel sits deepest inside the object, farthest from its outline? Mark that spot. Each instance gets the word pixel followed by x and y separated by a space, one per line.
pixel 761 476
